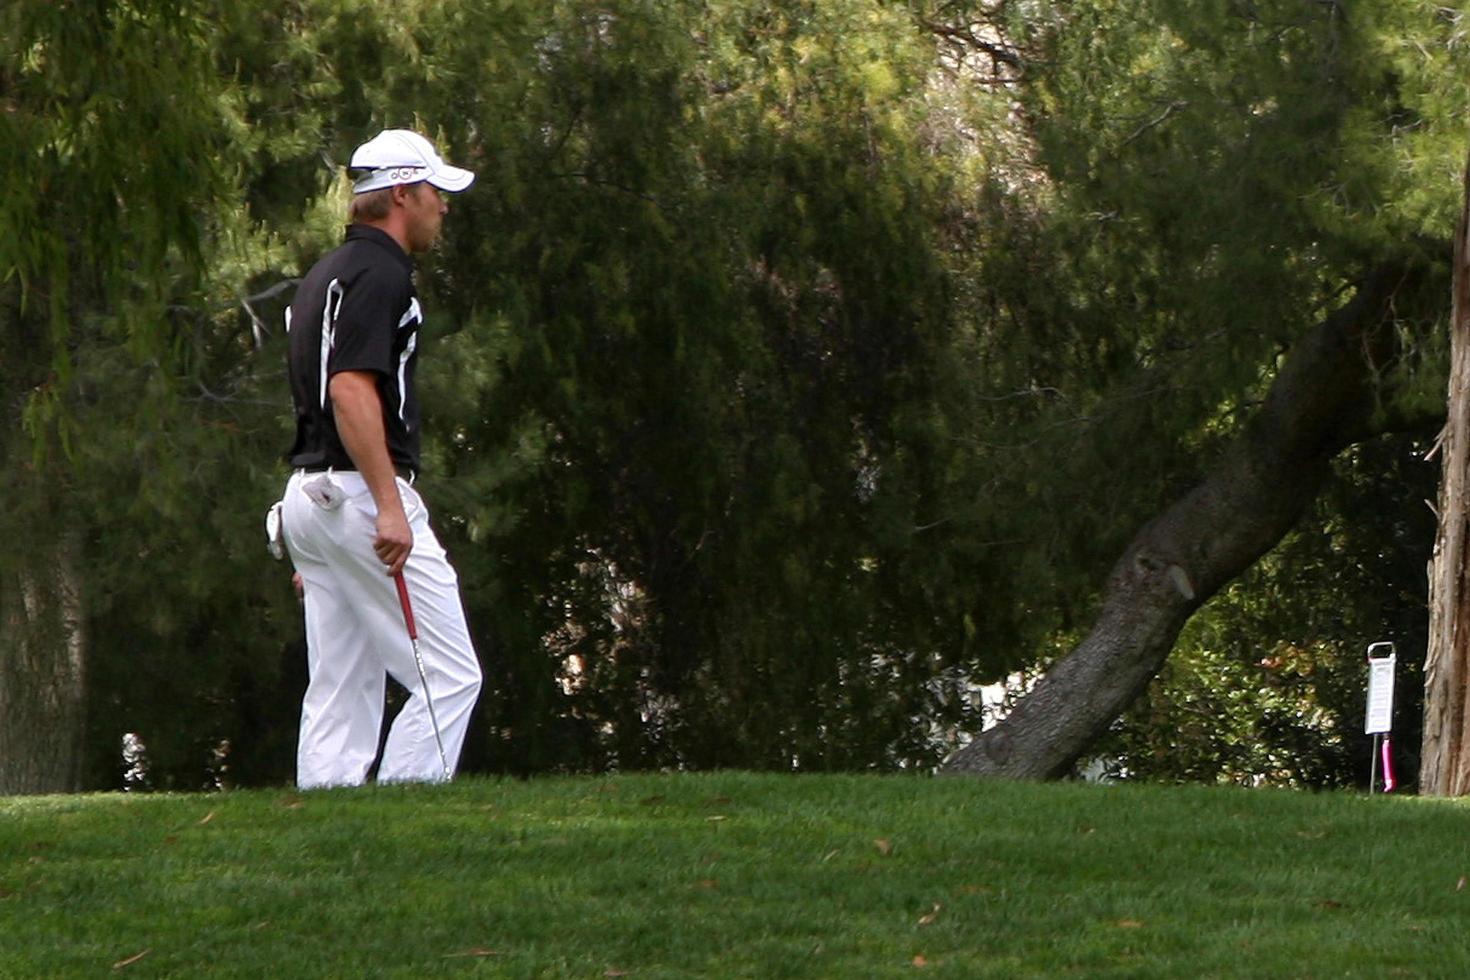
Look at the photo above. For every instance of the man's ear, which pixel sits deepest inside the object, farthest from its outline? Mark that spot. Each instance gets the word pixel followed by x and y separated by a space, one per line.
pixel 401 193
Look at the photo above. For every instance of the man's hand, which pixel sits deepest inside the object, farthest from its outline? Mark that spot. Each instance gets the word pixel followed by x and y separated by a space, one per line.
pixel 394 539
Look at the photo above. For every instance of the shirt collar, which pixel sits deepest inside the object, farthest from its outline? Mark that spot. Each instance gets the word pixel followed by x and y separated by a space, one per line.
pixel 371 234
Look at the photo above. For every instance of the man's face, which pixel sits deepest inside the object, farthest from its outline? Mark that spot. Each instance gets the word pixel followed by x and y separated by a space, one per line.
pixel 426 209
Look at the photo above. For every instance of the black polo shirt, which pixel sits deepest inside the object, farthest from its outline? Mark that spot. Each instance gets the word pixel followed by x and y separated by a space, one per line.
pixel 356 310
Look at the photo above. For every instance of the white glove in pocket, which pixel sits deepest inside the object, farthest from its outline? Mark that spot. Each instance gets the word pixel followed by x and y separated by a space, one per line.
pixel 273 541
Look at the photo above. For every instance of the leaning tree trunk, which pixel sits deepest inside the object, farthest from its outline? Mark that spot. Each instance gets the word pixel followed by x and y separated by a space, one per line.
pixel 1444 766
pixel 1319 404
pixel 42 671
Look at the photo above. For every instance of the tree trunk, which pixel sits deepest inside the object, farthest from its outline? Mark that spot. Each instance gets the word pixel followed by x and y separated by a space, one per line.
pixel 42 673
pixel 1444 766
pixel 1321 402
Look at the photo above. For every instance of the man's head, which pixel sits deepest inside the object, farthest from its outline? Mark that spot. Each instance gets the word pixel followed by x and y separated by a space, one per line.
pixel 400 188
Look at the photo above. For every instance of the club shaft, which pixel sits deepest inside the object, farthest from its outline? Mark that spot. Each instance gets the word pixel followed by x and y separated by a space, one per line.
pixel 418 660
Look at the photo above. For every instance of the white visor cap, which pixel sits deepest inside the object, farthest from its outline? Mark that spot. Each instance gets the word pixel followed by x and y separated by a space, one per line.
pixel 401 156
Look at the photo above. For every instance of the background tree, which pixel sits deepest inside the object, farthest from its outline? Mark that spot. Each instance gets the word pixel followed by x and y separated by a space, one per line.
pixel 1239 185
pixel 1445 768
pixel 109 162
pixel 790 371
pixel 718 360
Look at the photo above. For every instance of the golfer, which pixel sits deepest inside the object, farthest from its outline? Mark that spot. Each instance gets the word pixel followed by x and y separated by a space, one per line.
pixel 351 516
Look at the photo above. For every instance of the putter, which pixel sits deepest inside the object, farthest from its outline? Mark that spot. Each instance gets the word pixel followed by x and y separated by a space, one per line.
pixel 413 638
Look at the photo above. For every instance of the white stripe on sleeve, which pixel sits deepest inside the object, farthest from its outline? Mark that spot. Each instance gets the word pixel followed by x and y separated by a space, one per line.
pixel 329 330
pixel 414 314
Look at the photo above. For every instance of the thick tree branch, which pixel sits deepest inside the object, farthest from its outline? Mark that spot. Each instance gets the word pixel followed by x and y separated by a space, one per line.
pixel 1321 402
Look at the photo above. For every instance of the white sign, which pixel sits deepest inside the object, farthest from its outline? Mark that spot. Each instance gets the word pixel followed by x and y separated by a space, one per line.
pixel 1380 690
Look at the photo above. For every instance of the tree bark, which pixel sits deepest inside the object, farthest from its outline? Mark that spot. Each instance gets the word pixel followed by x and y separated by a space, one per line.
pixel 1321 402
pixel 1444 762
pixel 42 673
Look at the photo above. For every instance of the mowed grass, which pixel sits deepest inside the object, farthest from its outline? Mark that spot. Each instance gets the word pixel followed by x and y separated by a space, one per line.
pixel 735 875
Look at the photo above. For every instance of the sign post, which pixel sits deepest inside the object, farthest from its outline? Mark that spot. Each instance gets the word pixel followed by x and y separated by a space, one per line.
pixel 1379 722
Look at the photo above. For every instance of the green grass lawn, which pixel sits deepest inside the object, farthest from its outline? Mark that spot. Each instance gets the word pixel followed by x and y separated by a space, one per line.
pixel 735 875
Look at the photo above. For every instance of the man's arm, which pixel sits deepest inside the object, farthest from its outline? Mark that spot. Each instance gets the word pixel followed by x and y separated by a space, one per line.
pixel 358 410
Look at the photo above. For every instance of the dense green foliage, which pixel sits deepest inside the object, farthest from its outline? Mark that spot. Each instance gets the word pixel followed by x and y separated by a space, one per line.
pixel 732 874
pixel 729 332
pixel 787 375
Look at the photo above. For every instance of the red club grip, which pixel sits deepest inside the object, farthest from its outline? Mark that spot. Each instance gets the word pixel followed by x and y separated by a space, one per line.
pixel 413 633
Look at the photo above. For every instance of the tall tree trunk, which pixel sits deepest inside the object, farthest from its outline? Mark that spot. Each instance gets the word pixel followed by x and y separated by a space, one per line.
pixel 42 672
pixel 1321 402
pixel 1444 766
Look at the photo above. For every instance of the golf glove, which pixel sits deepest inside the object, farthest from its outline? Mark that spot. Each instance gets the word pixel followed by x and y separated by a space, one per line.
pixel 273 540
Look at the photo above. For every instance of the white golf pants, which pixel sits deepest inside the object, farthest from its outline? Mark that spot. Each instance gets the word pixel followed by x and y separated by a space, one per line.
pixel 356 636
